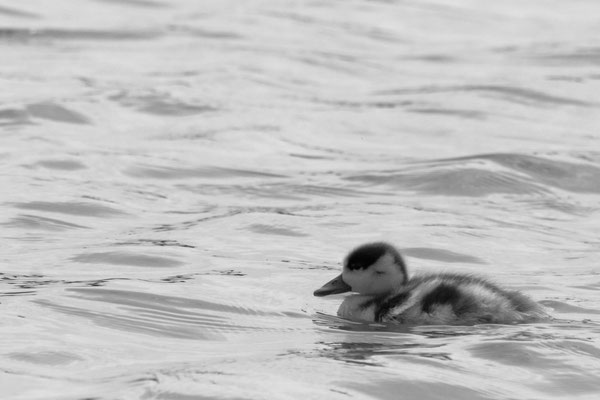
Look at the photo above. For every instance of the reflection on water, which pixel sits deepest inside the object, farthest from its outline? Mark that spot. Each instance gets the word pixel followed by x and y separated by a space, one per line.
pixel 178 176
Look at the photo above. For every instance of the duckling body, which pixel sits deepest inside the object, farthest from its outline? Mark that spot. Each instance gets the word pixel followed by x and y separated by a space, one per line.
pixel 377 272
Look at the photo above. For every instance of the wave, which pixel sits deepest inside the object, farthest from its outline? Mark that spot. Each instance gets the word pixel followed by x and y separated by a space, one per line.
pixel 482 175
pixel 72 208
pixel 125 258
pixel 26 221
pixel 26 35
pixel 43 110
pixel 169 316
pixel 510 93
pixel 164 172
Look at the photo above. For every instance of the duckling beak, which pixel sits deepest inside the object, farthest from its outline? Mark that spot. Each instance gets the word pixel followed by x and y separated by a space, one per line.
pixel 334 286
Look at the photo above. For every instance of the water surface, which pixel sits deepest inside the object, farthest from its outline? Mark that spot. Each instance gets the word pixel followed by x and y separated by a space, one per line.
pixel 179 176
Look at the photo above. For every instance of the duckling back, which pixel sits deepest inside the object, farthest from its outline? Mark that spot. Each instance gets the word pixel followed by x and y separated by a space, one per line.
pixel 445 299
pixel 462 299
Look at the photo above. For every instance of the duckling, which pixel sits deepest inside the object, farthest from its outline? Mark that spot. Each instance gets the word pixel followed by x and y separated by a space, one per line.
pixel 378 274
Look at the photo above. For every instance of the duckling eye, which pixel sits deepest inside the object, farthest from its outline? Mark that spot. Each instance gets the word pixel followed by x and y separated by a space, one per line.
pixel 379 272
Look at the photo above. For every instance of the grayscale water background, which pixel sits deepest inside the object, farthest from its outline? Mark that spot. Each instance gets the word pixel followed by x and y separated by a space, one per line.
pixel 178 176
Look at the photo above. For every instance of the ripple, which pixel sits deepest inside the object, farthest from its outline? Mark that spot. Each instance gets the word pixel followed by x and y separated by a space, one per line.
pixel 46 357
pixel 27 35
pixel 288 191
pixel 561 174
pixel 43 110
pixel 482 175
pixel 274 230
pixel 310 156
pixel 213 34
pixel 560 307
pixel 36 222
pixel 160 172
pixel 169 316
pixel 61 165
pixel 23 282
pixel 377 104
pixel 135 324
pixel 71 208
pixel 123 258
pixel 470 114
pixel 156 242
pixel 57 113
pixel 456 181
pixel 160 104
pixel 12 116
pixel 370 353
pixel 520 93
pixel 417 389
pixel 13 12
pixel 558 368
pixel 510 93
pixel 234 211
pixel 577 57
pixel 575 347
pixel 163 303
pixel 136 3
pixel 285 191
pixel 515 354
pixel 564 175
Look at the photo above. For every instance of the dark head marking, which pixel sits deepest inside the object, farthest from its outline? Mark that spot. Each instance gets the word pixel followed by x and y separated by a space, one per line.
pixel 366 255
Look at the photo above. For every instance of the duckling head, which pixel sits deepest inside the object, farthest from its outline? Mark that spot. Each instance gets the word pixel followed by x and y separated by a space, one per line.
pixel 371 269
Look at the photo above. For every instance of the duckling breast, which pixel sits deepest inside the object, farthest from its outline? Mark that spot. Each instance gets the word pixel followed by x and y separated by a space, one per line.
pixel 358 307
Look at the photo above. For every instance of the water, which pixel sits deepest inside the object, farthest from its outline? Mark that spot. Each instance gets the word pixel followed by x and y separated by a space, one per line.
pixel 179 176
